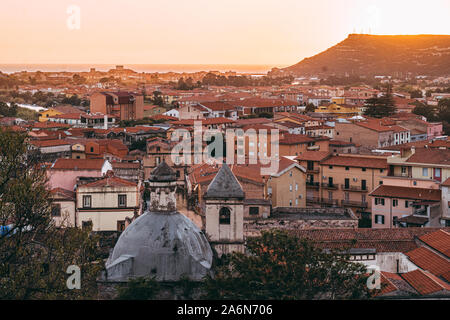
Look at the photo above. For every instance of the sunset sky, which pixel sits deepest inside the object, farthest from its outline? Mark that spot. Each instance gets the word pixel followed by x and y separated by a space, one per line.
pixel 276 32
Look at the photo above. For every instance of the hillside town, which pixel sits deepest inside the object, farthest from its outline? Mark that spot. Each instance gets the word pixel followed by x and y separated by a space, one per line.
pixel 345 177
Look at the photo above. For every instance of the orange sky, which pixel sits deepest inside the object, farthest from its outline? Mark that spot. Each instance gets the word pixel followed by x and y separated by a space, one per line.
pixel 276 32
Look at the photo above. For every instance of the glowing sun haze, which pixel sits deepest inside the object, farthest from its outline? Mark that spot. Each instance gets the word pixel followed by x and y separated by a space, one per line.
pixel 277 32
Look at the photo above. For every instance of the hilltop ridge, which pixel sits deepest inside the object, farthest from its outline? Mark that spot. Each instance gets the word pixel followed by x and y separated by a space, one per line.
pixel 369 55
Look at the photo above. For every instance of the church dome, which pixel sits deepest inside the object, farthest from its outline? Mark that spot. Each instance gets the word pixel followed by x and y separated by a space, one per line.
pixel 164 246
pixel 162 243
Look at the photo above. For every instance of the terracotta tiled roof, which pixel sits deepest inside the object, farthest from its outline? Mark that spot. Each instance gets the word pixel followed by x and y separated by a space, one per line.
pixel 60 193
pixel 424 282
pixel 78 164
pixel 264 103
pixel 383 240
pixel 430 261
pixel 407 193
pixel 218 106
pixel 244 122
pixel 439 240
pixel 110 182
pixel 431 156
pixel 358 162
pixel 163 117
pixel 313 156
pixel 290 139
pixel 49 143
pixel 125 165
pixel 72 116
pixel 446 183
pixel 48 124
pixel 209 121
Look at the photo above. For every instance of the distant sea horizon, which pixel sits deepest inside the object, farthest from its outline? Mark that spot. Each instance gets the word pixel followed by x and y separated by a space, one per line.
pixel 147 68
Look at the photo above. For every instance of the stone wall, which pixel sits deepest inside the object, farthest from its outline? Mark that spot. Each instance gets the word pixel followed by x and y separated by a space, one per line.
pixel 254 227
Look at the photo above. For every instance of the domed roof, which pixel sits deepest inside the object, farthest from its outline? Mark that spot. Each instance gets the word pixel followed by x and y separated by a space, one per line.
pixel 160 245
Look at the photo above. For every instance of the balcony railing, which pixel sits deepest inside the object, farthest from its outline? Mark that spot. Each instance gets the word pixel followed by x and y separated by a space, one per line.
pixel 359 204
pixel 421 212
pixel 312 170
pixel 313 200
pixel 330 202
pixel 314 185
pixel 353 188
pixel 329 186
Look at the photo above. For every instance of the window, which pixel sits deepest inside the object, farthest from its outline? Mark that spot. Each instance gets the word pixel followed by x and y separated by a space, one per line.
pixel 347 168
pixel 406 204
pixel 379 201
pixel 56 210
pixel 224 216
pixel 87 201
pixel 437 173
pixel 86 225
pixel 379 219
pixel 381 170
pixel 92 149
pixel 363 184
pixel 364 169
pixel 122 200
pixel 290 203
pixel 395 203
pixel 254 211
pixel 290 174
pixel 296 187
pixel 121 225
pixel 290 187
pixel 425 172
pixel 403 170
pixel 330 167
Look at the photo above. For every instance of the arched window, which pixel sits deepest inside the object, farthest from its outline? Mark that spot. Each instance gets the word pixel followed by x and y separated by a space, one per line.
pixel 224 216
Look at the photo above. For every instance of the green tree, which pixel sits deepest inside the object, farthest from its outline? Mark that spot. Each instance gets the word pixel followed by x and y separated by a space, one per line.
pixel 310 108
pixel 380 107
pixel 139 289
pixel 280 266
pixel 34 254
pixel 425 111
pixel 8 111
pixel 157 99
pixel 443 114
pixel 416 94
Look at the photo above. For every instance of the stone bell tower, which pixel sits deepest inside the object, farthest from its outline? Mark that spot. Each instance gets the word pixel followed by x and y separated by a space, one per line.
pixel 163 184
pixel 224 212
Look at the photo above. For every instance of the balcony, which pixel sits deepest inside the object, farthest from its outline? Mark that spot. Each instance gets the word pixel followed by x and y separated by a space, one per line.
pixel 313 200
pixel 312 185
pixel 358 204
pixel 329 186
pixel 329 202
pixel 353 188
pixel 312 170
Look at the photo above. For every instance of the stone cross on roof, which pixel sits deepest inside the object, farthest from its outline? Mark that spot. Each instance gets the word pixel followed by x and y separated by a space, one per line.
pixel 225 185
